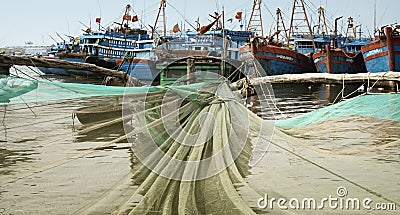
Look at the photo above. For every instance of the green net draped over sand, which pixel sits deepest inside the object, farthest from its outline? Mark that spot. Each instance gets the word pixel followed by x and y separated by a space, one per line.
pixel 194 150
pixel 196 145
pixel 381 106
pixel 34 91
pixel 13 87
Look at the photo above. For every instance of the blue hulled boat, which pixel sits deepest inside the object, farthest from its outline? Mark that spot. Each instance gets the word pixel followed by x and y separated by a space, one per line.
pixel 383 54
pixel 117 47
pixel 275 59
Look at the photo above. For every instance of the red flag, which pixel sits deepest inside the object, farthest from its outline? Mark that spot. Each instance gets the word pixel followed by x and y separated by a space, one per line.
pixel 206 28
pixel 238 15
pixel 98 20
pixel 127 17
pixel 135 18
pixel 176 28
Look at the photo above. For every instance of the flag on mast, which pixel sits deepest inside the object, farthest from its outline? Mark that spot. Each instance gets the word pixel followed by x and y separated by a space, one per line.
pixel 176 28
pixel 127 17
pixel 239 15
pixel 206 28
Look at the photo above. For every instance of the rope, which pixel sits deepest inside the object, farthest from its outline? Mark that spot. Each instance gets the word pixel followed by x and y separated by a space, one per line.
pixel 355 91
pixel 5 111
pixel 18 70
pixel 378 79
pixel 331 171
pixel 343 152
pixel 334 101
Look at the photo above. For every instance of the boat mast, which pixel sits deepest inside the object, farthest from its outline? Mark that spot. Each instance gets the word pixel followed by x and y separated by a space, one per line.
pixel 351 29
pixel 224 49
pixel 255 23
pixel 299 16
pixel 322 21
pixel 280 25
pixel 375 30
pixel 126 16
pixel 160 20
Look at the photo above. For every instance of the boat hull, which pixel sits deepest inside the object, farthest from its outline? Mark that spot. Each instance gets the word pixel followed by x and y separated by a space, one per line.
pixel 97 114
pixel 5 69
pixel 277 60
pixel 383 54
pixel 337 61
pixel 69 72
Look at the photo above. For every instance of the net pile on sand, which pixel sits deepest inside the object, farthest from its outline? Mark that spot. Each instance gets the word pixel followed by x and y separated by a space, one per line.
pixel 195 152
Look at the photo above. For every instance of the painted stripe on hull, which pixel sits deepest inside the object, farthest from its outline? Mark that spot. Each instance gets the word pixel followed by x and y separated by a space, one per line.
pixel 276 60
pixel 383 54
pixel 274 67
pixel 339 66
pixel 289 61
pixel 340 61
pixel 59 71
pixel 141 71
pixel 379 62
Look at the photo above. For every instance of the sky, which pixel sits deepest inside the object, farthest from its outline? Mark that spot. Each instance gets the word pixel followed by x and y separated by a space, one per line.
pixel 35 21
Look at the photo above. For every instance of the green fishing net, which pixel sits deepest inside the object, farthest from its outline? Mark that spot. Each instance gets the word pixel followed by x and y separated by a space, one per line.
pixel 197 143
pixel 381 106
pixel 195 147
pixel 17 90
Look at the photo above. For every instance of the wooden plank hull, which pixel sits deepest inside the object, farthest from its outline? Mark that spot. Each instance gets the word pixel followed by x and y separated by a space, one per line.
pixel 383 54
pixel 337 61
pixel 277 60
pixel 96 114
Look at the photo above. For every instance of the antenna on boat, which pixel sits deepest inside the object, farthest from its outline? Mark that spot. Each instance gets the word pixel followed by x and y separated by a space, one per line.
pixel 160 20
pixel 299 16
pixel 224 48
pixel 375 17
pixel 255 23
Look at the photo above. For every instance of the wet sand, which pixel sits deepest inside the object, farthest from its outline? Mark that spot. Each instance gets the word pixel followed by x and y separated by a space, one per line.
pixel 46 168
pixel 326 156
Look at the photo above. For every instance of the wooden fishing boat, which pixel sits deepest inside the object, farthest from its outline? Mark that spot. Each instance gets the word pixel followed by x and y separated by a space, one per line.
pixel 275 59
pixel 5 69
pixel 97 114
pixel 193 69
pixel 338 61
pixel 342 57
pixel 383 54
